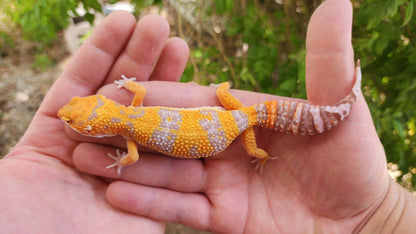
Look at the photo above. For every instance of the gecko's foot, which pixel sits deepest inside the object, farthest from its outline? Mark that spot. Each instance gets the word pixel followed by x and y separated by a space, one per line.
pixel 214 85
pixel 260 163
pixel 122 82
pixel 117 160
pixel 227 83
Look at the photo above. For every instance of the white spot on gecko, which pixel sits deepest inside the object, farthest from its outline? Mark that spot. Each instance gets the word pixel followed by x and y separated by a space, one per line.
pixel 216 134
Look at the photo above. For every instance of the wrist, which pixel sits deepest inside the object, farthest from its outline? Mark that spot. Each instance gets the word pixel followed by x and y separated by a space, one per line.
pixel 395 214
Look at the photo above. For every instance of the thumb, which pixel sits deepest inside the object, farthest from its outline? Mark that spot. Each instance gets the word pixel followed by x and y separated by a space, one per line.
pixel 329 53
pixel 330 72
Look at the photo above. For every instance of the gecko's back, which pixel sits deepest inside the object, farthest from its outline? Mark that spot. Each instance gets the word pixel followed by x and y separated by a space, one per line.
pixel 183 132
pixel 194 132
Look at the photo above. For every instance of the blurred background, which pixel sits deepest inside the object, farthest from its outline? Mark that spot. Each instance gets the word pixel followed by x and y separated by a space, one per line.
pixel 258 45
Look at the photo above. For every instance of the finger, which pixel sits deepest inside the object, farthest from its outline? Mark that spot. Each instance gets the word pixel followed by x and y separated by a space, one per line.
pixel 142 50
pixel 169 94
pixel 181 175
pixel 172 61
pixel 330 68
pixel 89 67
pixel 329 53
pixel 161 204
pixel 174 94
pixel 83 76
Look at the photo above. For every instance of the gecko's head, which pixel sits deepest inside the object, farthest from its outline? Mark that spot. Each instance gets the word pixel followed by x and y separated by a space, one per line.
pixel 82 114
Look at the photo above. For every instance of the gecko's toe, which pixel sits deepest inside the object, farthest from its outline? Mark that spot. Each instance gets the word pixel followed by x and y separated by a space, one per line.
pixel 122 82
pixel 117 160
pixel 260 163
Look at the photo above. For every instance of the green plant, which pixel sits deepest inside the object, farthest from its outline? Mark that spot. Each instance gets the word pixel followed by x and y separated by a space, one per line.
pixel 41 62
pixel 384 39
pixel 6 41
pixel 259 46
pixel 41 20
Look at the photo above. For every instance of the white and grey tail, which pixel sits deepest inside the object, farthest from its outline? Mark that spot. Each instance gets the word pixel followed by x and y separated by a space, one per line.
pixel 297 117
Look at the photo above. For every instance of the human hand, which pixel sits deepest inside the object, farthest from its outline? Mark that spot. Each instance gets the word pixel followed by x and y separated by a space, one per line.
pixel 40 188
pixel 332 182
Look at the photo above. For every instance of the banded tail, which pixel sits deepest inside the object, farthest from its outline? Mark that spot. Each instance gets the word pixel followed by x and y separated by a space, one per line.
pixel 297 117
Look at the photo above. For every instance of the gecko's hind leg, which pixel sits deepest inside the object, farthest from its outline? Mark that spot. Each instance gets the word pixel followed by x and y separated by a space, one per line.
pixel 248 140
pixel 227 100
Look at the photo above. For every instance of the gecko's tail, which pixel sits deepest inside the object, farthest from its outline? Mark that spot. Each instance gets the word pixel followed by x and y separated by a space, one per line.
pixel 297 117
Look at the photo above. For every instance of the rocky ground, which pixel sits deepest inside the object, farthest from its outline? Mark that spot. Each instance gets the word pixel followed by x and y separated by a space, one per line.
pixel 22 90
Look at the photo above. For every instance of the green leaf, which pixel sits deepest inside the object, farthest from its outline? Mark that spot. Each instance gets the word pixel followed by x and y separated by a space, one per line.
pixel 94 4
pixel 89 17
pixel 219 6
pixel 197 53
pixel 409 13
pixel 229 4
pixel 376 18
pixel 399 128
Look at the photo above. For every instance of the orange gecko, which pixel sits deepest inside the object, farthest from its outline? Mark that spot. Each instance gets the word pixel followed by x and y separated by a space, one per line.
pixel 198 132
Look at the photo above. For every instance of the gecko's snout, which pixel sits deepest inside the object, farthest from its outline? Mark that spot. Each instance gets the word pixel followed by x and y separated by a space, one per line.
pixel 81 114
pixel 63 114
pixel 67 112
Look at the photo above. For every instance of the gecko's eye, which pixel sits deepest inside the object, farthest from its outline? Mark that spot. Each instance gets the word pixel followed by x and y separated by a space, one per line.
pixel 66 119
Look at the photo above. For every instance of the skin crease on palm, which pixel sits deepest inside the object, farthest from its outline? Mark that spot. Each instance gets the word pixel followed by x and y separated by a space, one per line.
pixel 55 180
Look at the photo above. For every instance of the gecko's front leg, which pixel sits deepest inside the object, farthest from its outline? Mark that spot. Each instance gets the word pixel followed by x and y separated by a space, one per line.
pixel 123 159
pixel 132 155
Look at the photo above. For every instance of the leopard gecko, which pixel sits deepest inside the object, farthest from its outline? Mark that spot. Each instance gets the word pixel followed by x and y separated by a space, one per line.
pixel 198 132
